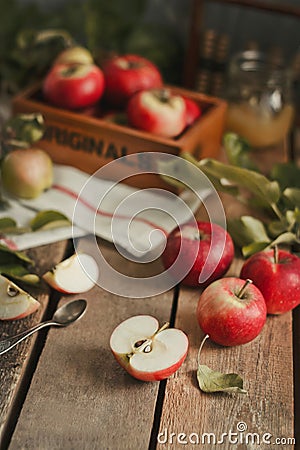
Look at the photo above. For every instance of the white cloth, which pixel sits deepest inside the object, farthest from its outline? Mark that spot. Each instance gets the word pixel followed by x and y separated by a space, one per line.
pixel 116 212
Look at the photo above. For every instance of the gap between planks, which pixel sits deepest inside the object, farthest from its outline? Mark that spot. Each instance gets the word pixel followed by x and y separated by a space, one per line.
pixel 31 362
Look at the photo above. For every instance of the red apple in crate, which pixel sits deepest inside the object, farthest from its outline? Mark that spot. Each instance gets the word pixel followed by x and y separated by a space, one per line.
pixel 76 274
pixel 73 86
pixel 157 111
pixel 231 311
pixel 277 274
pixel 14 302
pixel 193 110
pixel 26 173
pixel 147 352
pixel 127 74
pixel 193 246
pixel 74 55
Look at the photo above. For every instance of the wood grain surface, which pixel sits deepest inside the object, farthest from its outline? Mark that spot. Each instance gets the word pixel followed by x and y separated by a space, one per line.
pixel 14 363
pixel 77 397
pixel 80 398
pixel 265 364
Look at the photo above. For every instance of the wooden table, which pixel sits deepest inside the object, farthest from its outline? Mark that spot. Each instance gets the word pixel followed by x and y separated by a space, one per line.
pixel 62 389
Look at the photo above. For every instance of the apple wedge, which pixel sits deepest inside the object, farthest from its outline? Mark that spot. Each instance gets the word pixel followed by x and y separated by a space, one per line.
pixel 14 302
pixel 76 274
pixel 147 352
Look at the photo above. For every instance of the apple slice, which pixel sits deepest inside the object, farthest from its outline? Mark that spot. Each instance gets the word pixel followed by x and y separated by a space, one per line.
pixel 74 275
pixel 14 302
pixel 147 352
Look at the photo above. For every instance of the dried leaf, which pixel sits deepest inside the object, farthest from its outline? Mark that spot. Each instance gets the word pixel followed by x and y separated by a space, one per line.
pixel 211 381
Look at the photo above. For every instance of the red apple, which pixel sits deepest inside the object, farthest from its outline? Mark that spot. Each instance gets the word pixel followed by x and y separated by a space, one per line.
pixel 193 246
pixel 127 74
pixel 157 111
pixel 14 302
pixel 76 274
pixel 147 352
pixel 277 274
pixel 73 86
pixel 193 110
pixel 231 311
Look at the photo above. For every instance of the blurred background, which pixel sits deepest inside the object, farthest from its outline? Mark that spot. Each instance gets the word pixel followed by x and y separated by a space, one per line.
pixel 158 29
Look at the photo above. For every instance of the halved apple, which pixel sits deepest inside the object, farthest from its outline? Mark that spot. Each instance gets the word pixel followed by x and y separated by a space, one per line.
pixel 147 352
pixel 76 274
pixel 14 302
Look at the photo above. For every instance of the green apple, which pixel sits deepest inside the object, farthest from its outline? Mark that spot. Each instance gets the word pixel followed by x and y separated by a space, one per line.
pixel 26 173
pixel 75 55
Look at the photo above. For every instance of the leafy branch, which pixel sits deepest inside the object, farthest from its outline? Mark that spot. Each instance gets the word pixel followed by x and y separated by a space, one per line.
pixel 274 198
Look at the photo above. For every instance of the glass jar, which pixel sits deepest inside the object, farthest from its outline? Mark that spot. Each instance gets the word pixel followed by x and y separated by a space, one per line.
pixel 260 100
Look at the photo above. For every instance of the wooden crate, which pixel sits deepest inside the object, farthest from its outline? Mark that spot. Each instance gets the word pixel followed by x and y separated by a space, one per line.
pixel 88 141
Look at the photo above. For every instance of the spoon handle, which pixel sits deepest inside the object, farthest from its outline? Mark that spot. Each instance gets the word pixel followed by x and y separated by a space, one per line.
pixel 8 343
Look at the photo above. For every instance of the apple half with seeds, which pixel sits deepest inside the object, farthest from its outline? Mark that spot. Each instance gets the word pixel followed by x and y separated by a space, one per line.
pixel 146 351
pixel 74 275
pixel 14 302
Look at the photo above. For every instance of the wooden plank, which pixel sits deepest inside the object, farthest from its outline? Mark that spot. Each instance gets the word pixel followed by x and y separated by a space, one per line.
pixel 79 396
pixel 266 365
pixel 13 364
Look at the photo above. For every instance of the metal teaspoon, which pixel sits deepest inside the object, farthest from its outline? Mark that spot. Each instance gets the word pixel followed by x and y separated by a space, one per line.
pixel 65 315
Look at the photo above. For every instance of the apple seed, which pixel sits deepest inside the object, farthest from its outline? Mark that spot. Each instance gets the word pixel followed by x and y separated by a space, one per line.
pixel 12 291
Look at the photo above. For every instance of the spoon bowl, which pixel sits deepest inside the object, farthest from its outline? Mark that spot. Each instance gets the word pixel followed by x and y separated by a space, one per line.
pixel 69 312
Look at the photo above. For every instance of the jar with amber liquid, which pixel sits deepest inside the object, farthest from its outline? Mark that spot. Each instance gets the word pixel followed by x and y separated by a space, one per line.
pixel 260 99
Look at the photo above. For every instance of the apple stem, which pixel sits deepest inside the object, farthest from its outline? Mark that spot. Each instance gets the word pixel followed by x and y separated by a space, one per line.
pixel 201 346
pixel 163 327
pixel 243 288
pixel 145 345
pixel 163 95
pixel 276 256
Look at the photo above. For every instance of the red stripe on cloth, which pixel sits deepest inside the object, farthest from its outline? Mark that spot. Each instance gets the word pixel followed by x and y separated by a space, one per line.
pixel 75 196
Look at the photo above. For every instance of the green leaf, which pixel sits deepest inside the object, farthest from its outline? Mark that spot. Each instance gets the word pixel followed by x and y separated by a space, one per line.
pixel 293 217
pixel 8 255
pixel 277 227
pixel 266 191
pixel 287 174
pixel 254 247
pixel 19 273
pixel 22 130
pixel 237 150
pixel 7 223
pixel 247 230
pixel 293 195
pixel 211 381
pixel 287 238
pixel 45 220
